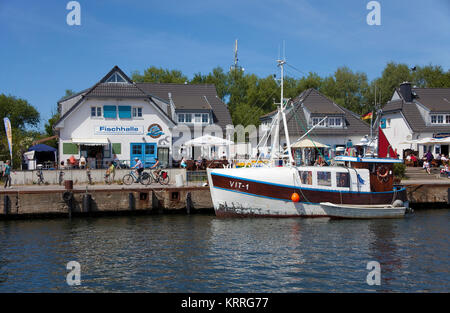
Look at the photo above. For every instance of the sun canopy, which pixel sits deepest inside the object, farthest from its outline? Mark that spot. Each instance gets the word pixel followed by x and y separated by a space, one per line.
pixel 208 140
pixel 91 141
pixel 308 143
pixel 42 148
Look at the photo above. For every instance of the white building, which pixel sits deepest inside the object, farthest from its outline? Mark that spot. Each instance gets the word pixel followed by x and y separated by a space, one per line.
pixel 118 116
pixel 417 113
pixel 310 108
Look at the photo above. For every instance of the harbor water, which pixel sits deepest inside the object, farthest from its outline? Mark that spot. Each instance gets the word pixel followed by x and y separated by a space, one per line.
pixel 202 253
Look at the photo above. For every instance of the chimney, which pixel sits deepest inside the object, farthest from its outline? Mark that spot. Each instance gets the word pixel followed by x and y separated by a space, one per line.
pixel 405 90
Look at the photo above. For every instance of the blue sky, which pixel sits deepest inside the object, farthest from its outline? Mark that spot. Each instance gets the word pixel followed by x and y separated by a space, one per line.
pixel 41 56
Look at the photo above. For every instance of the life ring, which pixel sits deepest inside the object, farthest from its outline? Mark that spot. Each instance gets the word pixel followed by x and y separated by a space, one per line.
pixel 382 173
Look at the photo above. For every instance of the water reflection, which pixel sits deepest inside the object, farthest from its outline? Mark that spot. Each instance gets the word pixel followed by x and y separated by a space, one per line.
pixel 201 253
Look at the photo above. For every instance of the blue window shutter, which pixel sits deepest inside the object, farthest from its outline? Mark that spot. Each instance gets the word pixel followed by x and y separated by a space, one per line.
pixel 124 111
pixel 109 111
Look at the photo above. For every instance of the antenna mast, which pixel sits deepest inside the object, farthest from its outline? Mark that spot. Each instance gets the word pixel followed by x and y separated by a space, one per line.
pixel 236 65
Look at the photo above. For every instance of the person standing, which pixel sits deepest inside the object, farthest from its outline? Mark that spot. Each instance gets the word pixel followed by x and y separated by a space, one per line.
pixel 7 174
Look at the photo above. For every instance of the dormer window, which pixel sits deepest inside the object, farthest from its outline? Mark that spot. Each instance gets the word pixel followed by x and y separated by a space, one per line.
pixel 440 119
pixel 116 78
pixel 329 122
pixel 334 121
pixel 317 120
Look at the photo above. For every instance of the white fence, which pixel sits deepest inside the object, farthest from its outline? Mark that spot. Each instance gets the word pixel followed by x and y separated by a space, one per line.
pixel 79 176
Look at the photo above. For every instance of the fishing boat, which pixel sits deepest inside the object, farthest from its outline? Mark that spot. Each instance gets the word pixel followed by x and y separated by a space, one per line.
pixel 281 189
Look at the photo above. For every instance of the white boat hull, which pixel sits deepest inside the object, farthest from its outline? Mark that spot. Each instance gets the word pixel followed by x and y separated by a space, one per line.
pixel 362 211
pixel 229 203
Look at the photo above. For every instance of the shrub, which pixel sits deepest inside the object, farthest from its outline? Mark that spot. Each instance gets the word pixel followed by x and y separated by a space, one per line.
pixel 399 170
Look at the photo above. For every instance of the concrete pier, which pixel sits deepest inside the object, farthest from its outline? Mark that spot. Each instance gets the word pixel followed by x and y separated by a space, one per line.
pixel 85 199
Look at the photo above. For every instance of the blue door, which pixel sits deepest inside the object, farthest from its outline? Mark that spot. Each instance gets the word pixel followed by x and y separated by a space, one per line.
pixel 146 152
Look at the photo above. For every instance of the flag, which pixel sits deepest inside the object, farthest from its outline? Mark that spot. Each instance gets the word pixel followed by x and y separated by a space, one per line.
pixel 384 147
pixel 367 116
pixel 8 134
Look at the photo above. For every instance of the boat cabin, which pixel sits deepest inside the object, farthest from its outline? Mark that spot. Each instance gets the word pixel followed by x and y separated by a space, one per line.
pixel 334 178
pixel 381 170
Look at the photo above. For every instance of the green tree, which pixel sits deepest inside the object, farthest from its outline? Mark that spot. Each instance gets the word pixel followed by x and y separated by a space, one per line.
pixel 19 111
pixel 49 131
pixel 159 75
pixel 347 89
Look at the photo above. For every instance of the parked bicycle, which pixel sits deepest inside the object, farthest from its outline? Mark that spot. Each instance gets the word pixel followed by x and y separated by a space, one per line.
pixel 162 177
pixel 130 178
pixel 61 177
pixel 88 173
pixel 40 176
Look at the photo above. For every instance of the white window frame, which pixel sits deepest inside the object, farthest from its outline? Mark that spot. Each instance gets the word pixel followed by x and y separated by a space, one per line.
pixel 115 75
pixel 316 120
pixel 434 118
pixel 181 115
pixel 199 116
pixel 207 118
pixel 97 107
pixel 186 117
pixel 136 110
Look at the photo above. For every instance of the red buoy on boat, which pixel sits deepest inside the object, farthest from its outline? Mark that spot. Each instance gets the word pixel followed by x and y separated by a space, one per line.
pixel 295 197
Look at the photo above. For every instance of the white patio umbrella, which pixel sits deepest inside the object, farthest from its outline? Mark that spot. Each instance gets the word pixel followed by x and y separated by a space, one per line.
pixel 308 143
pixel 208 141
pixel 422 141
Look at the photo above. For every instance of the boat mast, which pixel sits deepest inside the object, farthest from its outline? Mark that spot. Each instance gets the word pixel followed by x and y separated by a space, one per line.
pixel 283 113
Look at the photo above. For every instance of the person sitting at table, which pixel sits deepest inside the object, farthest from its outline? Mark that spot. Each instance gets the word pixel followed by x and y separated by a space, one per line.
pixel 183 163
pixel 82 162
pixel 72 161
pixel 426 166
pixel 444 159
pixel 198 162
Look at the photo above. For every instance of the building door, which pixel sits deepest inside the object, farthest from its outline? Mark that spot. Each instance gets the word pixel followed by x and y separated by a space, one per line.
pixel 444 150
pixel 146 152
pixel 163 156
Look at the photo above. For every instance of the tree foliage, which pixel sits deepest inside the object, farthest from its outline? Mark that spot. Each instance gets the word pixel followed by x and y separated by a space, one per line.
pixel 249 96
pixel 159 75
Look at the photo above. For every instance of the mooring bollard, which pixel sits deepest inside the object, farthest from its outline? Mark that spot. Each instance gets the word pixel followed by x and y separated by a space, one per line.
pixel 188 203
pixel 87 202
pixel 131 201
pixel 6 203
pixel 68 199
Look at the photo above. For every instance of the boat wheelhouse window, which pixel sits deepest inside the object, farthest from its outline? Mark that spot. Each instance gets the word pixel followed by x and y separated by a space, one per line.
pixel 305 177
pixel 324 178
pixel 342 179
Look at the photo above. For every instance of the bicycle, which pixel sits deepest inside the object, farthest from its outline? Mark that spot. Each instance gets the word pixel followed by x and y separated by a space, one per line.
pixel 162 178
pixel 130 178
pixel 40 176
pixel 61 177
pixel 88 173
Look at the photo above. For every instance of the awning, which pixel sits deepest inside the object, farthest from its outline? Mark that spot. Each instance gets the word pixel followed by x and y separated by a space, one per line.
pixel 91 141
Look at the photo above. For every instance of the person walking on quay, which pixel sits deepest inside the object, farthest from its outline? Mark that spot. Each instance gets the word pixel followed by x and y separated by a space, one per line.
pixel 7 174
pixel 110 174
